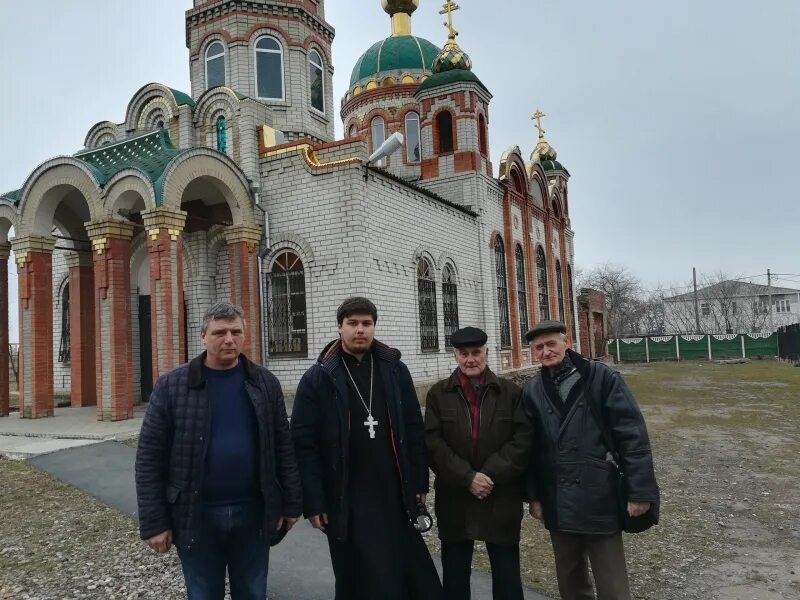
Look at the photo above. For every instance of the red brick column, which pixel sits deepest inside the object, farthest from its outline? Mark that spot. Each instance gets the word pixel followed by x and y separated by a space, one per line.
pixel 243 255
pixel 5 251
pixel 81 323
pixel 34 256
pixel 511 281
pixel 111 246
pixel 165 248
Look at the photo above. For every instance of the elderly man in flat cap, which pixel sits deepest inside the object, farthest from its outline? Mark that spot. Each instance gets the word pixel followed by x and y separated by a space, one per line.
pixel 478 441
pixel 578 409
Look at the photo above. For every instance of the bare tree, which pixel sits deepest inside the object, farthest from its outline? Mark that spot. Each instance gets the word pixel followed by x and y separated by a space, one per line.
pixel 623 292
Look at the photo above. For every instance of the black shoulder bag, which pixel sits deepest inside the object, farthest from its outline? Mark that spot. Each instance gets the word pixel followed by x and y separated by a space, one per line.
pixel 629 524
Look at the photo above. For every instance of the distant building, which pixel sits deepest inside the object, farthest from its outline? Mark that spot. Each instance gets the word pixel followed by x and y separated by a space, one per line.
pixel 732 307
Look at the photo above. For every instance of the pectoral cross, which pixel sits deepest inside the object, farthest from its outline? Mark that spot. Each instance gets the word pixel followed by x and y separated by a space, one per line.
pixel 538 118
pixel 371 422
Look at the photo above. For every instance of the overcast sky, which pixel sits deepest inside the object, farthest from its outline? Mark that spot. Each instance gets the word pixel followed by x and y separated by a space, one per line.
pixel 678 121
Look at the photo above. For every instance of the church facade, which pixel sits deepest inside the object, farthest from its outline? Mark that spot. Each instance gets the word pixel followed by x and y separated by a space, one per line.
pixel 239 191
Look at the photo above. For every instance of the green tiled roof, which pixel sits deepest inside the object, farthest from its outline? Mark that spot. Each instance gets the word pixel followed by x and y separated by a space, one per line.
pixel 182 98
pixel 150 153
pixel 553 165
pixel 395 56
pixel 454 76
pixel 13 196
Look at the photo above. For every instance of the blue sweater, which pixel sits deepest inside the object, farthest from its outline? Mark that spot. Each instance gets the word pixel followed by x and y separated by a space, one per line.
pixel 231 469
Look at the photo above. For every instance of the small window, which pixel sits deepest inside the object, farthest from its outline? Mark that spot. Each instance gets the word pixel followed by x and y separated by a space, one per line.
pixel 541 276
pixel 64 344
pixel 444 127
pixel 316 81
pixel 482 144
pixel 222 135
pixel 353 131
pixel 269 68
pixel 428 321
pixel 378 137
pixel 215 65
pixel 705 309
pixel 412 137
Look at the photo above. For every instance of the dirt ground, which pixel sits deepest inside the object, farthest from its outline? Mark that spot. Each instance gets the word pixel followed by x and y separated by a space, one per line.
pixel 726 442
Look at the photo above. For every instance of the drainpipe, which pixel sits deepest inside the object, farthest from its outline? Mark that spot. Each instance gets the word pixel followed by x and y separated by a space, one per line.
pixel 255 187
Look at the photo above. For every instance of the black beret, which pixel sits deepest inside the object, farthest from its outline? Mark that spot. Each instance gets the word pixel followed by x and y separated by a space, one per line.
pixel 468 337
pixel 545 327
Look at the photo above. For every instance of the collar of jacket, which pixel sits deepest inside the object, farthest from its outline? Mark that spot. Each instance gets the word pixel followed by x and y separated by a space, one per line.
pixel 583 365
pixel 330 357
pixel 490 380
pixel 197 377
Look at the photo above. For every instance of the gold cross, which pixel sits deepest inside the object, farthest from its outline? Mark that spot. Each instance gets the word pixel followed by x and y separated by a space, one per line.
pixel 538 118
pixel 449 8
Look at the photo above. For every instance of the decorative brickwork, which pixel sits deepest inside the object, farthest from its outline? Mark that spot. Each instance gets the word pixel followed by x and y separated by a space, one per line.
pixel 83 379
pixel 34 257
pixel 111 247
pixel 243 255
pixel 165 249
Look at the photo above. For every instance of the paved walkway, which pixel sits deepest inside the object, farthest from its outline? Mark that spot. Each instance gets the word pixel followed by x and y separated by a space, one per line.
pixel 300 567
pixel 70 427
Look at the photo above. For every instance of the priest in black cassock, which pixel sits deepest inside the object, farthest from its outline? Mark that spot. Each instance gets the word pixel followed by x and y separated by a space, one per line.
pixel 358 436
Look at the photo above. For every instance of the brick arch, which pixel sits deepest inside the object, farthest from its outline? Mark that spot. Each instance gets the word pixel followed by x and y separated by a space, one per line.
pixel 36 208
pixel 493 238
pixel 214 101
pixel 8 219
pixel 437 149
pixel 313 42
pixel 289 241
pixel 99 130
pixel 445 258
pixel 204 162
pixel 139 256
pixel 145 96
pixel 129 180
pixel 217 35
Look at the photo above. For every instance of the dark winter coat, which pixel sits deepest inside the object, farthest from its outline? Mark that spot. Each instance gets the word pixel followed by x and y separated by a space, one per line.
pixel 170 460
pixel 321 433
pixel 502 453
pixel 569 473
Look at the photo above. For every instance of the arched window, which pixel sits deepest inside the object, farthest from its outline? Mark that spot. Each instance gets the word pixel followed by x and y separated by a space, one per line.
pixel 63 346
pixel 572 303
pixel 541 276
pixel 502 291
pixel 560 289
pixel 269 68
pixel 378 128
pixel 222 135
pixel 522 292
pixel 444 128
pixel 287 306
pixel 316 81
pixel 428 322
pixel 353 131
pixel 215 65
pixel 412 137
pixel 482 144
pixel 449 304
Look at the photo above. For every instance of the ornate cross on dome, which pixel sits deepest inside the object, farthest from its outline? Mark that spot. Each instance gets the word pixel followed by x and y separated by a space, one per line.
pixel 538 118
pixel 449 8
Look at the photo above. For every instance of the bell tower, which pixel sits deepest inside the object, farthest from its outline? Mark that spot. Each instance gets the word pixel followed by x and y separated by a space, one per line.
pixel 276 52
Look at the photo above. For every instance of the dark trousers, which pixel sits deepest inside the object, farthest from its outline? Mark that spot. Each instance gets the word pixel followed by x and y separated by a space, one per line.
pixel 457 568
pixel 231 540
pixel 574 552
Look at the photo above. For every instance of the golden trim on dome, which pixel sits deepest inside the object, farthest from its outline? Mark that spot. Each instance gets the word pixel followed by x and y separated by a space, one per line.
pixel 401 24
pixel 408 79
pixel 388 82
pixel 372 85
pixel 357 91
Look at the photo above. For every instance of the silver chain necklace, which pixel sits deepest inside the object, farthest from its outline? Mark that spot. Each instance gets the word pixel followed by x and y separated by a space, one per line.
pixel 370 423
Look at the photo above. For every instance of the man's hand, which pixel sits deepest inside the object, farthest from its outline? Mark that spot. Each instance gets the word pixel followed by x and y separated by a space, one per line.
pixel 421 498
pixel 637 509
pixel 319 521
pixel 535 509
pixel 162 542
pixel 288 521
pixel 481 486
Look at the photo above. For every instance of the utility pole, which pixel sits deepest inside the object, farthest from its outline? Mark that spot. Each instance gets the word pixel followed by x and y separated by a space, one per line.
pixel 769 295
pixel 696 306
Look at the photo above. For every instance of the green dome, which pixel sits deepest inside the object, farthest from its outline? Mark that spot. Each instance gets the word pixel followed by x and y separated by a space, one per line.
pixel 446 77
pixel 395 56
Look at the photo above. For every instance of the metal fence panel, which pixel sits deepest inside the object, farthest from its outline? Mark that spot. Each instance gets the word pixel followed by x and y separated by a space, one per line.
pixel 726 346
pixel 632 350
pixel 663 348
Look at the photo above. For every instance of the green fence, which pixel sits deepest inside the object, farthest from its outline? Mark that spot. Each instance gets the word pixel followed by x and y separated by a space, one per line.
pixel 693 347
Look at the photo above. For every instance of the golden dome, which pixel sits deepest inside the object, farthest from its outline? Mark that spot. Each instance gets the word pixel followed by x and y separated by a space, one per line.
pixel 400 6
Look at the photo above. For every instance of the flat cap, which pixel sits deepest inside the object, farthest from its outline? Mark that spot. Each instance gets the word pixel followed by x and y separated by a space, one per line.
pixel 468 337
pixel 545 327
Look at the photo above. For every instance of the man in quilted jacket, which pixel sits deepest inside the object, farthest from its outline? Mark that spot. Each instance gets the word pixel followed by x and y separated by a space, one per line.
pixel 216 473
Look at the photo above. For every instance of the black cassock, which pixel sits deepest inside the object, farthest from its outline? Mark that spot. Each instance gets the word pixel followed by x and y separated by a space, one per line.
pixel 384 557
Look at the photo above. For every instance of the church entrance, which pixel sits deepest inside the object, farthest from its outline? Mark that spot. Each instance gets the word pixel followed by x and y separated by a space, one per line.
pixel 145 349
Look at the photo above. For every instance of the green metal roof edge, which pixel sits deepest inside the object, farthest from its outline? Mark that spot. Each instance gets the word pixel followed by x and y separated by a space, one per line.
pixel 182 98
pixel 553 165
pixel 13 195
pixel 446 77
pixel 158 184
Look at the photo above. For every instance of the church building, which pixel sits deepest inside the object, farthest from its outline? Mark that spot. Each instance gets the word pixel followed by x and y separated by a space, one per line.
pixel 239 191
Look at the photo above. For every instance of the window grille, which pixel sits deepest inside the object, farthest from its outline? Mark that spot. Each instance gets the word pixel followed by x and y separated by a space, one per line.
pixel 428 322
pixel 502 292
pixel 541 276
pixel 522 293
pixel 450 304
pixel 287 306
